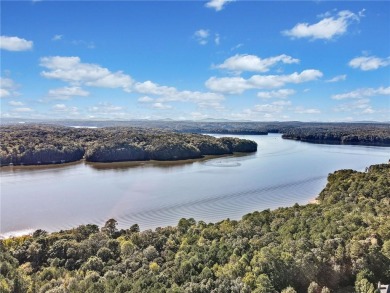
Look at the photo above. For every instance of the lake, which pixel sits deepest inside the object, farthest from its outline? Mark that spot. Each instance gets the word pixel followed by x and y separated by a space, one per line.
pixel 281 173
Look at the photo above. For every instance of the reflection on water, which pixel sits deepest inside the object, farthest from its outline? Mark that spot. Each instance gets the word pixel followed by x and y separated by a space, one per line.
pixel 122 166
pixel 152 194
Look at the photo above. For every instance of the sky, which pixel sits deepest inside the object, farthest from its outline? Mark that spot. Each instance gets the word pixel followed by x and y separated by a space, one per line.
pixel 194 60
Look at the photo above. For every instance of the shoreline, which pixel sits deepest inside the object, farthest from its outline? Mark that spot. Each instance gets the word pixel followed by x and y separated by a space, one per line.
pixel 337 142
pixel 120 164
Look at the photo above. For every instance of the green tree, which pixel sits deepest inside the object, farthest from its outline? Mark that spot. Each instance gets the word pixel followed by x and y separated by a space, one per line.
pixel 364 286
pixel 110 227
pixel 94 263
pixel 314 288
pixel 289 290
pixel 134 228
pixel 104 254
pixel 263 284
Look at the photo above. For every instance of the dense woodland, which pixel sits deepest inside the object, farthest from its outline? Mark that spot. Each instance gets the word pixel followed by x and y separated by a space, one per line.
pixel 341 244
pixel 348 134
pixel 46 144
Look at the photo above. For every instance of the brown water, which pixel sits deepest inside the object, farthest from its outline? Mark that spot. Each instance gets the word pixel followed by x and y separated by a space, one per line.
pixel 281 173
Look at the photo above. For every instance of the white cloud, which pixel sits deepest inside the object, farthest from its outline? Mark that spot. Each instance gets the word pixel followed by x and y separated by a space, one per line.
pixel 253 63
pixel 15 44
pixel 217 39
pixel 231 85
pixel 368 110
pixel 8 88
pixel 369 63
pixel 57 37
pixel 7 83
pixel 23 110
pixel 113 80
pixel 271 81
pixel 198 115
pixel 282 103
pixel 145 99
pixel 363 92
pixel 237 85
pixel 171 94
pixel 361 12
pixel 302 110
pixel 282 93
pixel 202 36
pixel 72 70
pixel 62 108
pixel 161 106
pixel 217 4
pixel 359 106
pixel 272 111
pixel 105 108
pixel 59 107
pixel 149 87
pixel 236 47
pixel 15 103
pixel 88 45
pixel 268 108
pixel 337 78
pixel 76 73
pixel 356 104
pixel 327 28
pixel 4 93
pixel 65 93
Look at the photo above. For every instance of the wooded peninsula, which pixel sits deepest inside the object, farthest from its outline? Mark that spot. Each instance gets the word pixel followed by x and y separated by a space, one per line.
pixel 341 245
pixel 47 144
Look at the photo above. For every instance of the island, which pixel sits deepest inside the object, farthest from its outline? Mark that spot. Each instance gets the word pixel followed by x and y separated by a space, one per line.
pixel 52 144
pixel 339 244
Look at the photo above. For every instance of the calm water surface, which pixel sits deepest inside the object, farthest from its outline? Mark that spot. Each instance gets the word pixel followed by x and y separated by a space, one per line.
pixel 281 173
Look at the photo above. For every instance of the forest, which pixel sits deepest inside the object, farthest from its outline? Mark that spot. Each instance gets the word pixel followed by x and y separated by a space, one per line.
pixel 347 134
pixel 48 144
pixel 339 244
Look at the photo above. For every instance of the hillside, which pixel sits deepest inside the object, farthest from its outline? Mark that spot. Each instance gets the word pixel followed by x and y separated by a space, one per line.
pixel 341 244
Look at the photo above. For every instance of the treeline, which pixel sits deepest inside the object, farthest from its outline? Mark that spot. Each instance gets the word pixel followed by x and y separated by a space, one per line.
pixel 340 245
pixel 44 144
pixel 331 133
pixel 341 134
pixel 364 133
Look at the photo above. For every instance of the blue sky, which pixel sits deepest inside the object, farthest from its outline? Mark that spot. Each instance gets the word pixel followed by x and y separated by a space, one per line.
pixel 238 60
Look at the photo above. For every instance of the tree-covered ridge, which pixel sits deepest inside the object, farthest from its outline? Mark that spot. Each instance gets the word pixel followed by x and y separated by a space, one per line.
pixel 43 144
pixel 341 135
pixel 341 244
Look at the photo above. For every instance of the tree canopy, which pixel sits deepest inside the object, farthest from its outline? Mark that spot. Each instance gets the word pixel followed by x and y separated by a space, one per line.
pixel 341 244
pixel 49 144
